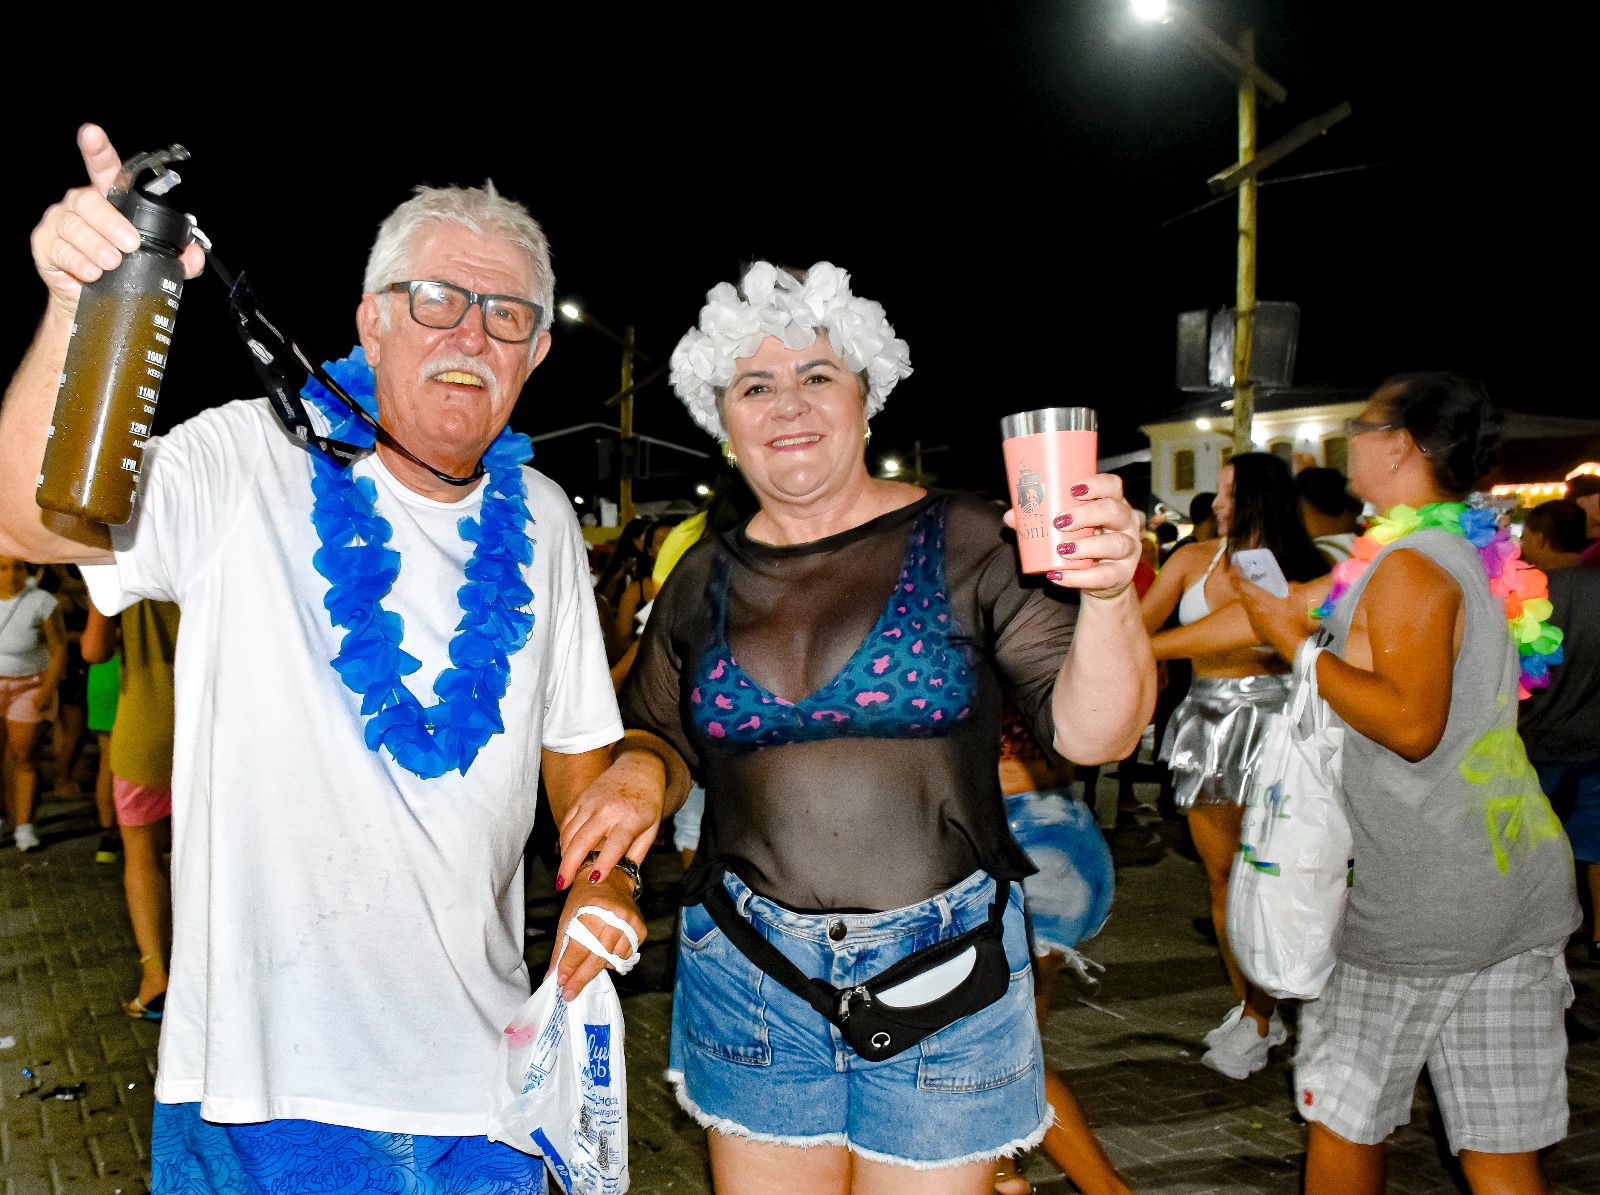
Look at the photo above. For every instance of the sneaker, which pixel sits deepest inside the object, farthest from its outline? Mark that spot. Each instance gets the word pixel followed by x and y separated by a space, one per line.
pixel 1240 1053
pixel 26 838
pixel 109 850
pixel 1277 1032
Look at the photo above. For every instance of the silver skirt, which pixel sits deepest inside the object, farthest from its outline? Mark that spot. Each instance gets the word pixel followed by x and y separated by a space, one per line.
pixel 1215 734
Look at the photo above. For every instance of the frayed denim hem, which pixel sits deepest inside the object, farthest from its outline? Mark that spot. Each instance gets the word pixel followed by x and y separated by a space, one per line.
pixel 733 1128
pixel 1009 1150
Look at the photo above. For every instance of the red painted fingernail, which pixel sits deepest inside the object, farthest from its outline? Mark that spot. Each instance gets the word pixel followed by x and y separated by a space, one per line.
pixel 1054 576
pixel 1062 522
pixel 1066 549
pixel 561 882
pixel 594 876
pixel 1080 491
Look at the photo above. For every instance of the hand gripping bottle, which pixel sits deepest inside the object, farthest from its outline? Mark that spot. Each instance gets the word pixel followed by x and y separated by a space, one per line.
pixel 120 339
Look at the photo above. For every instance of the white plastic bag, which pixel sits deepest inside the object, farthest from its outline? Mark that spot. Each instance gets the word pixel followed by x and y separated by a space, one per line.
pixel 1291 880
pixel 562 1091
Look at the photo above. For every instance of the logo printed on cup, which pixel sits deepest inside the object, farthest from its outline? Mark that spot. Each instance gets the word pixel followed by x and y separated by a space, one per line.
pixel 1030 491
pixel 1046 453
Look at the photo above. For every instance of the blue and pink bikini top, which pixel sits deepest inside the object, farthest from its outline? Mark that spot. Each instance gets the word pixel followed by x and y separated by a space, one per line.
pixel 910 678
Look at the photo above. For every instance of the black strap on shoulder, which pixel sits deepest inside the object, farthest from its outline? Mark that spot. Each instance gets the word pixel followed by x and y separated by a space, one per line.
pixel 818 993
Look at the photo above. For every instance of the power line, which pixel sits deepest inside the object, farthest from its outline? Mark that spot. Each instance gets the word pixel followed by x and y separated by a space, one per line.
pixel 1267 182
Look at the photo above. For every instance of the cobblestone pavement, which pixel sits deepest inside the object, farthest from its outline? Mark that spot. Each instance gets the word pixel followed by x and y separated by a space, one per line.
pixel 1129 1050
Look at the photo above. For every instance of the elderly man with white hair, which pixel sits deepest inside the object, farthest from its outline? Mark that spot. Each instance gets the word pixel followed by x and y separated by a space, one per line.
pixel 376 667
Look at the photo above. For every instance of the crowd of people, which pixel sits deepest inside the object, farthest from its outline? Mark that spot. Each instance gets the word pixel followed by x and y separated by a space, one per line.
pixel 878 714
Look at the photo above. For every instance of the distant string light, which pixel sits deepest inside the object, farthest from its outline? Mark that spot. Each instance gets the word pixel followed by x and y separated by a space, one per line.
pixel 1530 489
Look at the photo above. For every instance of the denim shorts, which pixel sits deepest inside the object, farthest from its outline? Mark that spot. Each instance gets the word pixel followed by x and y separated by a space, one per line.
pixel 750 1058
pixel 1069 897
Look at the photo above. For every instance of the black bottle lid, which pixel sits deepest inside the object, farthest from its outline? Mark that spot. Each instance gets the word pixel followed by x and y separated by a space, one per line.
pixel 164 228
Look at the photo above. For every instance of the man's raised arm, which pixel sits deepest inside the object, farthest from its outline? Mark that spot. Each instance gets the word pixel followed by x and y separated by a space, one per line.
pixel 79 239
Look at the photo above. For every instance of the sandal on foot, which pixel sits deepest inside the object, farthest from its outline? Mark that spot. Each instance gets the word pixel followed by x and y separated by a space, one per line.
pixel 141 1010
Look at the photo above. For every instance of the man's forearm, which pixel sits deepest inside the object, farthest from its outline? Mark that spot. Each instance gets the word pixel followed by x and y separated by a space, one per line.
pixel 26 531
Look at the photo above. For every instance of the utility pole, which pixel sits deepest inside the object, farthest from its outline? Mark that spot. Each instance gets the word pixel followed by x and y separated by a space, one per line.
pixel 1238 62
pixel 627 449
pixel 1244 391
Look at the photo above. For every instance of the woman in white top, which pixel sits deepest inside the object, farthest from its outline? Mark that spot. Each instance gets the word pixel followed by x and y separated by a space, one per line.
pixel 1214 735
pixel 33 655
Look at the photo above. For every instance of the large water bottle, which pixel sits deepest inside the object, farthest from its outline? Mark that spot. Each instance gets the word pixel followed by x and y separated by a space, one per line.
pixel 121 336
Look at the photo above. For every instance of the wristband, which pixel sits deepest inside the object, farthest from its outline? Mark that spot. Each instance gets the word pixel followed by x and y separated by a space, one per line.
pixel 627 867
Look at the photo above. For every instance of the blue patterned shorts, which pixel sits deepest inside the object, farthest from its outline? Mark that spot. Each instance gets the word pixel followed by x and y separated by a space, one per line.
pixel 191 1156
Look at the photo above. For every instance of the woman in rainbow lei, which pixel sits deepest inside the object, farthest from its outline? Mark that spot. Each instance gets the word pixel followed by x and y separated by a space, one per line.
pixel 1462 894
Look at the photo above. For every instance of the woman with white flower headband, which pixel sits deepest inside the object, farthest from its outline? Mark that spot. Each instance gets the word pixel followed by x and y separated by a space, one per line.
pixel 832 670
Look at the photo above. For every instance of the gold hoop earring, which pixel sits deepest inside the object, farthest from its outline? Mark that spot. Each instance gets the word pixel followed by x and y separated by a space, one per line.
pixel 867 438
pixel 727 455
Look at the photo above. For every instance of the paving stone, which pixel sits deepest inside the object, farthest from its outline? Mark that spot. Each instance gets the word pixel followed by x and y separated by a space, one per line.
pixel 1130 1050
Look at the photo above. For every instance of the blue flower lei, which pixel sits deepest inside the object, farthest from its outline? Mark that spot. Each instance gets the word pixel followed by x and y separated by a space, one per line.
pixel 360 567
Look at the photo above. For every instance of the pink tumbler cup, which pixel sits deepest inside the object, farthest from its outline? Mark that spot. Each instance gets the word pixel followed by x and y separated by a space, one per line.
pixel 1047 452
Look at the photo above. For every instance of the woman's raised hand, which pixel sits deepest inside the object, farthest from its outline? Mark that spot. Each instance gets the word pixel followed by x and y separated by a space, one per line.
pixel 1113 544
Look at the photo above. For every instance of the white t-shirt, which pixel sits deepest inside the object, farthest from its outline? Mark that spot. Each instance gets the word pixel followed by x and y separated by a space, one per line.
pixel 347 937
pixel 23 650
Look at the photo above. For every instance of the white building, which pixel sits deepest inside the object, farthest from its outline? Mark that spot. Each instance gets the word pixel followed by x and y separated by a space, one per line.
pixel 1303 426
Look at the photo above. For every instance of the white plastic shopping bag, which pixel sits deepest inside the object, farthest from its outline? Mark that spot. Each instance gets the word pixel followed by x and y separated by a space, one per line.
pixel 1291 880
pixel 562 1090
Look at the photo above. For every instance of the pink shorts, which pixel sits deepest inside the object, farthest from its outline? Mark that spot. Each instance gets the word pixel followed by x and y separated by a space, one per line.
pixel 17 695
pixel 140 804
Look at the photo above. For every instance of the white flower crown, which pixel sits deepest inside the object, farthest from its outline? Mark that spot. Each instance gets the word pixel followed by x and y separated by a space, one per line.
pixel 776 303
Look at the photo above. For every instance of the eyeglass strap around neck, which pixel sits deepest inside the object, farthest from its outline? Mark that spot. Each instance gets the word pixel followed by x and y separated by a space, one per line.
pixel 268 350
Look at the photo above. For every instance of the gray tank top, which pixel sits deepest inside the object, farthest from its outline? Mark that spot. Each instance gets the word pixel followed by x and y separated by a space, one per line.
pixel 1459 860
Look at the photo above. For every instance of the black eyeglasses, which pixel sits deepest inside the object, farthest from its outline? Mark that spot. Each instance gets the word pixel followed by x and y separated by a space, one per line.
pixel 1354 427
pixel 444 305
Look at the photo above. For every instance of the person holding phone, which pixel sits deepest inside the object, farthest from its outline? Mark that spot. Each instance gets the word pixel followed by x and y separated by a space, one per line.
pixel 1216 732
pixel 1463 894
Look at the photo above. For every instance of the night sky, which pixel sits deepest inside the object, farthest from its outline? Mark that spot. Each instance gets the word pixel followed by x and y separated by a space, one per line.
pixel 1008 185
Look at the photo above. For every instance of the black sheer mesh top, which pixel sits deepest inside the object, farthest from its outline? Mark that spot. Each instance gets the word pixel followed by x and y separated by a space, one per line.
pixel 840 701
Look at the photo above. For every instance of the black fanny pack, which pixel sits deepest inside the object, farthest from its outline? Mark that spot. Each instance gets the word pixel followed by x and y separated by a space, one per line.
pixel 874 1029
